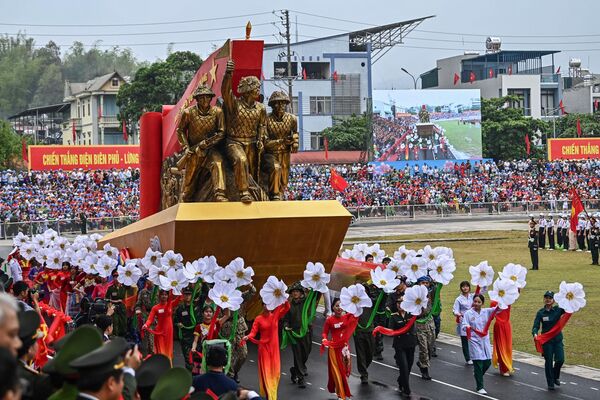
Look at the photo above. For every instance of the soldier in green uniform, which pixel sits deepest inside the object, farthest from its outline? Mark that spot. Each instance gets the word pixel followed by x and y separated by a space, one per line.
pixel 282 139
pixel 554 352
pixel 594 237
pixel 144 304
pixel 364 342
pixel 175 384
pixel 425 332
pixel 116 295
pixel 533 245
pixel 149 373
pixel 200 129
pixel 186 317
pixel 292 322
pixel 37 385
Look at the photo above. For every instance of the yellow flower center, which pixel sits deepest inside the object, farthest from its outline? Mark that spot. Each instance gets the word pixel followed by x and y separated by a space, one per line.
pixel 127 273
pixel 277 292
pixel 173 283
pixel 382 282
pixel 570 296
pixel 56 260
pixel 418 301
pixel 152 259
pixel 513 278
pixel 224 298
pixel 439 269
pixel 355 299
pixel 316 277
pixel 172 262
pixel 432 257
pixel 482 274
pixel 403 256
pixel 414 267
pixel 501 293
pixel 162 273
pixel 240 274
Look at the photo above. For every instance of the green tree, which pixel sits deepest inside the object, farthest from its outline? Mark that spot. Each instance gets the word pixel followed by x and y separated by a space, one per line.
pixel 348 133
pixel 10 146
pixel 163 82
pixel 503 130
pixel 566 126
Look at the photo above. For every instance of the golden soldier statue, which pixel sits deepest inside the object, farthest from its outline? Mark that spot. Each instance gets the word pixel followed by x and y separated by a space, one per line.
pixel 246 129
pixel 201 128
pixel 282 138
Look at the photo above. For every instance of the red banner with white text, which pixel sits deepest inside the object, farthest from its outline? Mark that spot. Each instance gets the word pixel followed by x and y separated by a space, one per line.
pixel 573 149
pixel 49 158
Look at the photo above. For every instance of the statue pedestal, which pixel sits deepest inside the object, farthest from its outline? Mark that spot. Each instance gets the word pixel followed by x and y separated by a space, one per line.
pixel 275 238
pixel 425 129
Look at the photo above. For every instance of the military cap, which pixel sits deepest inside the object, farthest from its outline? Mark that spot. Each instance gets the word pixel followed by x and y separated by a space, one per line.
pixel 278 96
pixel 79 342
pixel 203 90
pixel 151 370
pixel 29 323
pixel 424 278
pixel 173 385
pixel 549 293
pixel 247 84
pixel 102 360
pixel 295 286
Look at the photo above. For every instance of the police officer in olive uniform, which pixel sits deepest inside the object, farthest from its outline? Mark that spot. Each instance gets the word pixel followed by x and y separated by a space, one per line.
pixel 594 237
pixel 116 295
pixel 364 342
pixel 554 353
pixel 533 245
pixel 550 231
pixel 186 317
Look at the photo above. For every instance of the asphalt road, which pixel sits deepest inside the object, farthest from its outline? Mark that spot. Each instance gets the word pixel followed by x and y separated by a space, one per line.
pixel 452 379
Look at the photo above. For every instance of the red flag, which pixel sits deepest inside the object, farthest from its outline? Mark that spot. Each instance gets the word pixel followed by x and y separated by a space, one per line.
pixel 99 112
pixel 24 151
pixel 562 107
pixel 73 130
pixel 510 69
pixel 262 75
pixel 576 209
pixel 595 105
pixel 337 181
pixel 491 72
pixel 558 70
pixel 456 78
pixel 527 144
pixel 472 77
pixel 578 128
pixel 304 74
pixel 326 143
pixel 125 136
pixel 335 76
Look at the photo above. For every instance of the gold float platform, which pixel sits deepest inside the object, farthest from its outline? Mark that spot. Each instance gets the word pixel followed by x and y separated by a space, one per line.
pixel 275 238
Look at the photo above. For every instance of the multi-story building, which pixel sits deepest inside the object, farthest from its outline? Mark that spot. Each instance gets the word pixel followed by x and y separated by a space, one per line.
pixel 498 73
pixel 582 94
pixel 93 116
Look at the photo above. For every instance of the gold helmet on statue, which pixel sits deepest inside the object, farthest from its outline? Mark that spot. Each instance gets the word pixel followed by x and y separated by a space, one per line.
pixel 278 96
pixel 248 84
pixel 203 90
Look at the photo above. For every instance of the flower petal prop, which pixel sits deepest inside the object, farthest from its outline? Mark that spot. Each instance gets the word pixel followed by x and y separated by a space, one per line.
pixel 174 280
pixel 154 273
pixel 394 266
pixel 239 274
pixel 414 267
pixel 129 274
pixel 54 260
pixel 516 273
pixel 384 279
pixel 106 265
pixel 377 252
pixel 27 251
pixel 442 268
pixel 172 260
pixel 110 251
pixel 403 253
pixel 20 240
pixel 315 277
pixel 226 296
pixel 571 297
pixel 482 274
pixel 274 293
pixel 505 292
pixel 90 264
pixel 152 258
pixel 211 269
pixel 415 300
pixel 194 270
pixel 353 299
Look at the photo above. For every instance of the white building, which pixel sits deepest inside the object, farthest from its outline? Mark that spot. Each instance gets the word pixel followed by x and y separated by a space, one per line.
pixel 502 73
pixel 582 94
pixel 331 75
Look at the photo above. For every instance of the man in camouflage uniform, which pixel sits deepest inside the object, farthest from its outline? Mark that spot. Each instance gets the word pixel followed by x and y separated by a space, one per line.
pixel 200 128
pixel 246 129
pixel 116 294
pixel 301 347
pixel 185 318
pixel 142 309
pixel 425 332
pixel 239 354
pixel 282 138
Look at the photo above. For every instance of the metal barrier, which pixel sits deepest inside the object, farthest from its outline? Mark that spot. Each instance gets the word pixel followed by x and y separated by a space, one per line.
pixel 9 230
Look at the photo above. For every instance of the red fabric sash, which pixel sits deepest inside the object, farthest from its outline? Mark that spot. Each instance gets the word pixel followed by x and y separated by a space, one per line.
pixel 343 340
pixel 397 332
pixel 543 338
pixel 485 331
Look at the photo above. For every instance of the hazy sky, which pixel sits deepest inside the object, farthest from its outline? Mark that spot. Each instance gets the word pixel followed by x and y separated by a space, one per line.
pixel 459 25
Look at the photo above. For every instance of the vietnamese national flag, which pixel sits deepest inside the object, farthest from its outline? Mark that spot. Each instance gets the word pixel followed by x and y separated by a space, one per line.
pixel 326 143
pixel 562 107
pixel 595 105
pixel 24 151
pixel 335 76
pixel 472 77
pixel 99 112
pixel 125 136
pixel 456 78
pixel 491 72
pixel 510 69
pixel 578 128
pixel 527 144
pixel 576 209
pixel 558 70
pixel 304 76
pixel 337 181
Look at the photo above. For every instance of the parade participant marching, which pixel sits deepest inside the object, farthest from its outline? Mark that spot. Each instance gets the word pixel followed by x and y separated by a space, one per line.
pixel 542 231
pixel 554 353
pixel 301 347
pixel 116 295
pixel 425 332
pixel 185 319
pixel 533 245
pixel 404 346
pixel 476 323
pixel 144 304
pixel 462 304
pixel 162 313
pixel 550 230
pixel 364 342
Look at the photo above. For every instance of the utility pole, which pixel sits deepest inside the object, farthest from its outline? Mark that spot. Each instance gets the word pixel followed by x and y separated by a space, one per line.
pixel 288 39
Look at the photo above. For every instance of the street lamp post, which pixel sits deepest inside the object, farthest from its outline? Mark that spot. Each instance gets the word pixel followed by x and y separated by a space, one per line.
pixel 411 75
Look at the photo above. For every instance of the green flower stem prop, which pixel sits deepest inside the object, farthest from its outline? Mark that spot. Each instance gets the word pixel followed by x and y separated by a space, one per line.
pixel 192 311
pixel 436 307
pixel 309 311
pixel 373 312
pixel 154 293
pixel 234 324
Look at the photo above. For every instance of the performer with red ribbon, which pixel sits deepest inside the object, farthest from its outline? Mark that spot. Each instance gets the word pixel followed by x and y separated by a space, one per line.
pixel 163 334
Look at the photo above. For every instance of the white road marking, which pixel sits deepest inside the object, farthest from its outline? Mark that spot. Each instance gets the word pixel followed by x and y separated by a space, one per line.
pixel 534 373
pixel 323 389
pixel 283 373
pixel 452 351
pixel 308 383
pixel 573 383
pixel 593 388
pixel 251 361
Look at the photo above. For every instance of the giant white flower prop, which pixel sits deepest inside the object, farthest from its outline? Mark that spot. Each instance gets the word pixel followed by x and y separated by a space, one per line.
pixel 27 251
pixel 110 251
pixel 50 235
pixel 77 257
pixel 441 269
pixel 315 277
pixel 571 297
pixel 194 270
pixel 482 274
pixel 384 279
pixel 377 252
pixel 106 265
pixel 174 281
pixel 516 273
pixel 20 240
pixel 403 253
pixel 54 260
pixel 414 267
pixel 152 258
pixel 348 254
pixel 61 243
pixel 415 299
pixel 505 292
pixel 443 251
pixel 154 273
pixel 360 251
pixel 238 274
pixel 428 254
pixel 220 275
pixel 394 266
pixel 226 296
pixel 129 273
pixel 274 293
pixel 91 245
pixel 354 298
pixel 96 237
pixel 40 241
pixel 90 264
pixel 172 260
